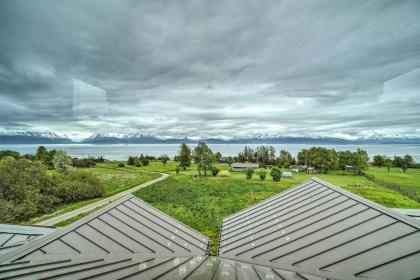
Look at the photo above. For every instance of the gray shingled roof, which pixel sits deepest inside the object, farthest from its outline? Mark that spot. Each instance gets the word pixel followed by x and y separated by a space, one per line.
pixel 14 236
pixel 319 228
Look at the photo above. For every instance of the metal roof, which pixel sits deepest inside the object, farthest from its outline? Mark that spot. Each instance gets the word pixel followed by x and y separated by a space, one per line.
pixel 144 268
pixel 13 236
pixel 126 227
pixel 244 165
pixel 414 213
pixel 314 231
pixel 322 229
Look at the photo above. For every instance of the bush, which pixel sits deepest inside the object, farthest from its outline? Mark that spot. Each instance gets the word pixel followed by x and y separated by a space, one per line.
pixel 249 172
pixel 78 185
pixel 214 171
pixel 26 189
pixel 122 165
pixel 223 173
pixel 262 173
pixel 145 161
pixel 276 173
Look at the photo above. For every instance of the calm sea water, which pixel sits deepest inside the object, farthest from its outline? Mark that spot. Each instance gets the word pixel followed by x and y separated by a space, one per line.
pixel 122 151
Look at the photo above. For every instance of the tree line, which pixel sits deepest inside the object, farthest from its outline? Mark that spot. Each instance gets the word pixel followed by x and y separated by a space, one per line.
pixel 402 162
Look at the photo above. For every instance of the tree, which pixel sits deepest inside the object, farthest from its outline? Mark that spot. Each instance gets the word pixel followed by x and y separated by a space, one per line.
pixel 285 159
pixel 276 173
pixel 62 162
pixel 144 161
pixel 379 160
pixel 218 157
pixel 407 162
pixel 344 158
pixel 131 160
pixel 204 157
pixel 164 159
pixel 184 156
pixel 249 172
pixel 360 161
pixel 388 163
pixel 397 161
pixel 262 173
pixel 229 160
pixel 40 153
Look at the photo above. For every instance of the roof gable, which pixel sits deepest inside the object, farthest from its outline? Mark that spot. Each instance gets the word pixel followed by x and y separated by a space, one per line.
pixel 126 227
pixel 321 228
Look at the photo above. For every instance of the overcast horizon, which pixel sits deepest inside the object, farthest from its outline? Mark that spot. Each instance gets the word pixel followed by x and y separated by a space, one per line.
pixel 342 69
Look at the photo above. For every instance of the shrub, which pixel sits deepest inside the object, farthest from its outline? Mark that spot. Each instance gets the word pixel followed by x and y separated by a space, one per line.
pixel 249 172
pixel 214 171
pixel 145 161
pixel 121 165
pixel 223 173
pixel 25 190
pixel 262 173
pixel 78 185
pixel 62 162
pixel 276 173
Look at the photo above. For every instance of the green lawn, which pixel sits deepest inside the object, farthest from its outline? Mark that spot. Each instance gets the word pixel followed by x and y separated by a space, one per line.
pixel 114 180
pixel 202 203
pixel 409 181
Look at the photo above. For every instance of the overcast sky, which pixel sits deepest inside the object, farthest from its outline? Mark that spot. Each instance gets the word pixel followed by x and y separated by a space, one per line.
pixel 210 68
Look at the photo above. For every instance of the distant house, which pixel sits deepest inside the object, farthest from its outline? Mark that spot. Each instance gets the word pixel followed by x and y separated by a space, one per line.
pixel 287 174
pixel 239 166
pixel 311 170
pixel 349 168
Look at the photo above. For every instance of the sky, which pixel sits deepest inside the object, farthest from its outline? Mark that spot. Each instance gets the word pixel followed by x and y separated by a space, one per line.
pixel 211 68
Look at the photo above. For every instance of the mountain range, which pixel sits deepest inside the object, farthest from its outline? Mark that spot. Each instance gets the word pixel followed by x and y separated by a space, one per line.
pixel 138 138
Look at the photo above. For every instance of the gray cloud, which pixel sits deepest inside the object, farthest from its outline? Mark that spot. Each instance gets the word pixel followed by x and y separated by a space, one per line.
pixel 205 68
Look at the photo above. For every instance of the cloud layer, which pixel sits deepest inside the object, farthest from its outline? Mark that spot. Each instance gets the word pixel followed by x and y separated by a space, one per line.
pixel 211 68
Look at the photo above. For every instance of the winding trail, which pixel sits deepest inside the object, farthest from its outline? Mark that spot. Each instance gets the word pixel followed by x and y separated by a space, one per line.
pixel 65 216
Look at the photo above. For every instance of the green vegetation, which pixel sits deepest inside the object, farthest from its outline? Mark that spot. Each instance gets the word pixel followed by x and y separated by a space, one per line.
pixel 407 182
pixel 28 190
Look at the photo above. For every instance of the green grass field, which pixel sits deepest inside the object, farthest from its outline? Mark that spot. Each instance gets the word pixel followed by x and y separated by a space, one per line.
pixel 203 203
pixel 409 181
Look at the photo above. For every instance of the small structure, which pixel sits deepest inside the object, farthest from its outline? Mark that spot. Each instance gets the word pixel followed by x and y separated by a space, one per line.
pixel 349 168
pixel 311 170
pixel 240 166
pixel 287 174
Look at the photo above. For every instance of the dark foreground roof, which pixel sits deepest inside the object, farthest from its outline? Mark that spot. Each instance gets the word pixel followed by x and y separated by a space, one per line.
pixel 14 236
pixel 126 227
pixel 321 229
pixel 314 231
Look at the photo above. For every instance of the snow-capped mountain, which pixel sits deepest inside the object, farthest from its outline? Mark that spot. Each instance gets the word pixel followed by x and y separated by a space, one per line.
pixel 140 138
pixel 29 137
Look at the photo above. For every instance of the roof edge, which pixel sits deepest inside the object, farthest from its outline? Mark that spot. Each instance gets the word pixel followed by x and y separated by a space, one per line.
pixel 387 211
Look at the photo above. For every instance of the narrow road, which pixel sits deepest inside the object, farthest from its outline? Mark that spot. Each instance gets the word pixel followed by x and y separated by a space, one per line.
pixel 56 219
